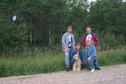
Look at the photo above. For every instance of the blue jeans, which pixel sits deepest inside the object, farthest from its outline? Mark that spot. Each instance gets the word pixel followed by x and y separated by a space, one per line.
pixel 91 63
pixel 68 57
pixel 96 63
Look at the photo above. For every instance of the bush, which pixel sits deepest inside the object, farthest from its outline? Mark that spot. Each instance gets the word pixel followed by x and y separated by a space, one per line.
pixel 109 40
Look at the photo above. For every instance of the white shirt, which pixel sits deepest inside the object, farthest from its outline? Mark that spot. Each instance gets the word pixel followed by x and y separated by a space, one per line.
pixel 89 37
pixel 69 37
pixel 69 40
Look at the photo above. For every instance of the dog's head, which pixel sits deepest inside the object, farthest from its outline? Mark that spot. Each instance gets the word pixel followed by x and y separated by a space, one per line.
pixel 76 57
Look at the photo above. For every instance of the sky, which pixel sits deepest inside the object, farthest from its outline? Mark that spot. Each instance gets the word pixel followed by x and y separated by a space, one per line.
pixel 95 0
pixel 91 0
pixel 124 0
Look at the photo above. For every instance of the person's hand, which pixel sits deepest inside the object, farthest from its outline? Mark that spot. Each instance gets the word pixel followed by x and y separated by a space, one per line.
pixel 89 58
pixel 92 42
pixel 80 62
pixel 65 50
pixel 73 48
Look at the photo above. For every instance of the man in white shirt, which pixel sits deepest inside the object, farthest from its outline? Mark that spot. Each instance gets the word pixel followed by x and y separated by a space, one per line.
pixel 68 44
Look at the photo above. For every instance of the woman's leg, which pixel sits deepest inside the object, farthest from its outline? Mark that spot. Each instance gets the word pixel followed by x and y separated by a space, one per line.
pixel 96 64
pixel 91 62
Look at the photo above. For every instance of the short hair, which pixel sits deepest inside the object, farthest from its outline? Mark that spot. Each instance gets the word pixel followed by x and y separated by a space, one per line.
pixel 88 28
pixel 77 44
pixel 69 27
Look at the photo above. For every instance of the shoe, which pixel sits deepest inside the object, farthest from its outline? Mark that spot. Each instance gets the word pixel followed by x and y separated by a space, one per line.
pixel 98 68
pixel 92 70
pixel 67 69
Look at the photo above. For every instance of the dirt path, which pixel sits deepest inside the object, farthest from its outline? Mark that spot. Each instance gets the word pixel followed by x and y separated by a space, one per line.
pixel 108 75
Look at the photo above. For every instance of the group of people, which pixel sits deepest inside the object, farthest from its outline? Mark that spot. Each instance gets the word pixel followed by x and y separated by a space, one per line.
pixel 88 56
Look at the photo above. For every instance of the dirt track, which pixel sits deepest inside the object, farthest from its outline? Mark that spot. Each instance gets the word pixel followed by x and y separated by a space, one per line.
pixel 108 75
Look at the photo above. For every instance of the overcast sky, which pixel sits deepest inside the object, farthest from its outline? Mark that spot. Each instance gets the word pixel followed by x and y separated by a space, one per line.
pixel 95 0
pixel 91 0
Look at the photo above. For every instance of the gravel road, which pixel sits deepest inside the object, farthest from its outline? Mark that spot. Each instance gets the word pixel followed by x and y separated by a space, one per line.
pixel 108 75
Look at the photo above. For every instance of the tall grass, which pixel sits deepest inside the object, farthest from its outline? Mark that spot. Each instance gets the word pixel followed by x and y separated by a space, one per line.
pixel 31 64
pixel 39 62
pixel 111 57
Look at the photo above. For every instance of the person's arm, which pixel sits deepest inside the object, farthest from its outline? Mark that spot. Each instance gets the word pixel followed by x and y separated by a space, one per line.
pixel 63 42
pixel 73 53
pixel 84 56
pixel 83 41
pixel 95 40
pixel 73 42
pixel 81 54
pixel 81 57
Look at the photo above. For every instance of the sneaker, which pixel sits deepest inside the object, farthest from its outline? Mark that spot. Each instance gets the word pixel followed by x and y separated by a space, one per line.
pixel 98 68
pixel 67 69
pixel 92 70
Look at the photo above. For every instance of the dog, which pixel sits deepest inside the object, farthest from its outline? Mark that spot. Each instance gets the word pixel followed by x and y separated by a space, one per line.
pixel 77 63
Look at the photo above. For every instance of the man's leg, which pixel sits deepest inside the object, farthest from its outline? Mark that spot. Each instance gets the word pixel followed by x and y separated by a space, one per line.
pixel 71 61
pixel 67 59
pixel 82 61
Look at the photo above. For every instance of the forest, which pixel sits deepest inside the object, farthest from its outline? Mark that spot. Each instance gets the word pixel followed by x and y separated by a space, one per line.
pixel 43 22
pixel 31 32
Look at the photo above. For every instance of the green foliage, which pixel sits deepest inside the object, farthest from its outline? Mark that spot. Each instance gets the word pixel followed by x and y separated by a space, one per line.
pixel 109 41
pixel 38 62
pixel 13 34
pixel 49 19
pixel 25 65
pixel 108 15
pixel 111 57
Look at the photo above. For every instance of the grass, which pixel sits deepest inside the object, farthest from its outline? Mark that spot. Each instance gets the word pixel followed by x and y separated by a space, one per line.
pixel 39 62
pixel 111 57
